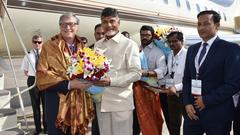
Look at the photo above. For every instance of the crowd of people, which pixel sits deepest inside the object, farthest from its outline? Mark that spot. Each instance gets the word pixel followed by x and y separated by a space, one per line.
pixel 145 86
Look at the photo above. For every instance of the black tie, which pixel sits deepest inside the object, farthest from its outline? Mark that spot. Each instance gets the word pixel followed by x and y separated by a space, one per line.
pixel 202 53
pixel 37 57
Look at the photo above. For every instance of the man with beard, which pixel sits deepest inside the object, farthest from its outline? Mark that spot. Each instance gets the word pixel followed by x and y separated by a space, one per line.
pixel 146 101
pixel 115 110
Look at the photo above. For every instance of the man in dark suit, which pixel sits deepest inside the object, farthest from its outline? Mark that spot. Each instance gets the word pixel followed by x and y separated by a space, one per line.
pixel 211 78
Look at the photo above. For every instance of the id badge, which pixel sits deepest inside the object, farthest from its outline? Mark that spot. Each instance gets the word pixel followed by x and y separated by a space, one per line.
pixel 196 87
pixel 169 83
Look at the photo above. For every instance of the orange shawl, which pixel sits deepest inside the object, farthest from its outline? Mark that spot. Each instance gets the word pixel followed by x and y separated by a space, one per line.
pixel 148 109
pixel 76 107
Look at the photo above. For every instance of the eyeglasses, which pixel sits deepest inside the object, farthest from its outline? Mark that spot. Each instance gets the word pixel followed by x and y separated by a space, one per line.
pixel 71 24
pixel 35 42
pixel 146 35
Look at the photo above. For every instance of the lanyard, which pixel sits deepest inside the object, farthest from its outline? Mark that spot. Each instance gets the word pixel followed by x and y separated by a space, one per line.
pixel 197 66
pixel 172 67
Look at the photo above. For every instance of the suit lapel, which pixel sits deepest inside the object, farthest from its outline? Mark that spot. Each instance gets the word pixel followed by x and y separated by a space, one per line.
pixel 210 54
pixel 193 56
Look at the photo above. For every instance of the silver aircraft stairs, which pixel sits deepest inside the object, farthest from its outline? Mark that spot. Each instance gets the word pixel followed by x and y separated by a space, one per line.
pixel 8 116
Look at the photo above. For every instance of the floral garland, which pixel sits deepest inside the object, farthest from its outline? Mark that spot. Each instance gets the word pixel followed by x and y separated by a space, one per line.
pixel 159 38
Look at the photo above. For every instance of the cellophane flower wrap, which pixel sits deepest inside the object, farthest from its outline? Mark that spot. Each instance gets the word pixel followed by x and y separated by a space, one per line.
pixel 88 64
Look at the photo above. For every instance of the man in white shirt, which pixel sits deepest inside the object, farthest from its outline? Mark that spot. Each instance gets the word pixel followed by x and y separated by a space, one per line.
pixel 115 111
pixel 37 96
pixel 149 105
pixel 176 64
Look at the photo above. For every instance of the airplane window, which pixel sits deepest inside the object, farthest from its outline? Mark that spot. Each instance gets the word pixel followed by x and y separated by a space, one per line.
pixel 224 16
pixel 178 3
pixel 205 8
pixel 166 1
pixel 188 5
pixel 198 7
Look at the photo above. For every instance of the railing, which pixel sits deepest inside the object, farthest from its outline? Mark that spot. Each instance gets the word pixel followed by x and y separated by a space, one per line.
pixel 4 10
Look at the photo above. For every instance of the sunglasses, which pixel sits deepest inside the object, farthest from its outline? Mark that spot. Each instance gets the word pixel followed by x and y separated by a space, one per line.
pixel 35 42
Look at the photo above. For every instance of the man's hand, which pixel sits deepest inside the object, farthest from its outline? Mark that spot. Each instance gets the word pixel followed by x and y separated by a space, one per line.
pixel 78 84
pixel 103 82
pixel 191 112
pixel 198 103
pixel 144 73
pixel 172 90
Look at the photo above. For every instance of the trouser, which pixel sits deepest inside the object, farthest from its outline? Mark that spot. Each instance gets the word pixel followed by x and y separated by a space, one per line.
pixel 95 127
pixel 176 109
pixel 36 98
pixel 136 128
pixel 164 106
pixel 198 127
pixel 52 106
pixel 115 123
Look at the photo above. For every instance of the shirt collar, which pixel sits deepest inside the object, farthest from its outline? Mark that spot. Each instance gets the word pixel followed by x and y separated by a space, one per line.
pixel 151 45
pixel 180 52
pixel 210 41
pixel 116 38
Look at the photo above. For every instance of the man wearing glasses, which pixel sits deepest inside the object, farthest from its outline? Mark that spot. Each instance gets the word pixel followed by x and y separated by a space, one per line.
pixel 52 77
pixel 36 96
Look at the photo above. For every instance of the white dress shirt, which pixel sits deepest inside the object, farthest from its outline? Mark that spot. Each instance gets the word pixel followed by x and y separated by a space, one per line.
pixel 125 70
pixel 210 42
pixel 176 64
pixel 26 66
pixel 156 61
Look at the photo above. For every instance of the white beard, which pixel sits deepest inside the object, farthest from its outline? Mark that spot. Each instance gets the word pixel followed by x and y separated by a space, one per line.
pixel 110 33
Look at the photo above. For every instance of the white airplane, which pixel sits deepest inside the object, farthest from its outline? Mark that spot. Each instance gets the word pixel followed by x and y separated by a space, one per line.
pixel 41 16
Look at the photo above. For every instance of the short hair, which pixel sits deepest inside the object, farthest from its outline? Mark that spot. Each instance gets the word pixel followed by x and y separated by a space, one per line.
pixel 216 16
pixel 109 12
pixel 96 26
pixel 178 34
pixel 36 37
pixel 68 15
pixel 147 27
pixel 84 38
pixel 125 32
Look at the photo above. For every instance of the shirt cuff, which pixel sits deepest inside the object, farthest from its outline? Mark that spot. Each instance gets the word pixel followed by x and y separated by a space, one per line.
pixel 69 85
pixel 160 74
pixel 178 87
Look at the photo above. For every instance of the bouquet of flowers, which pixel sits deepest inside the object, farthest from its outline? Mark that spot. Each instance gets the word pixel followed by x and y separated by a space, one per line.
pixel 88 64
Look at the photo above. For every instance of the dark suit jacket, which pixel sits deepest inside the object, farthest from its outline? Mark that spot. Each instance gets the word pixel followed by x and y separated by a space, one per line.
pixel 220 75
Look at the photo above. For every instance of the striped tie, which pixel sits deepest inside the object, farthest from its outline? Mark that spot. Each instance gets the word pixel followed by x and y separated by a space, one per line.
pixel 202 53
pixel 72 48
